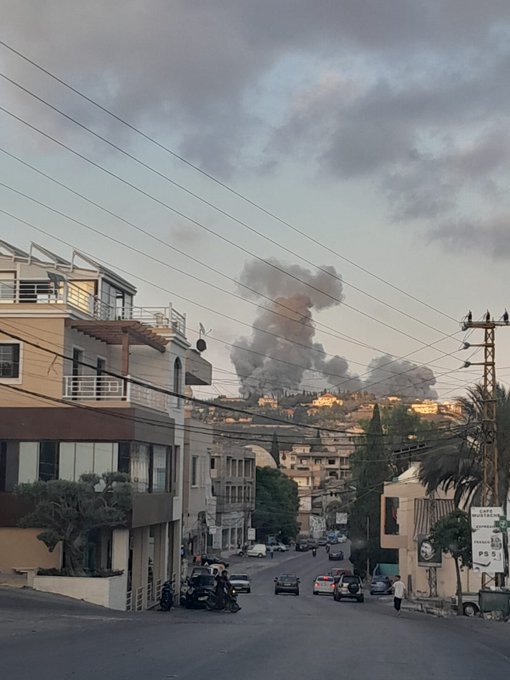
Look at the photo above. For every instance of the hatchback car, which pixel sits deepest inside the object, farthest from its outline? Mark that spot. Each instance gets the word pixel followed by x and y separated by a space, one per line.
pixel 336 555
pixel 286 583
pixel 241 582
pixel 380 585
pixel 349 587
pixel 324 585
pixel 338 573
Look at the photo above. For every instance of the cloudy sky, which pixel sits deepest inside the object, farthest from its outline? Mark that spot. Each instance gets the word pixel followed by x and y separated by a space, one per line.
pixel 377 129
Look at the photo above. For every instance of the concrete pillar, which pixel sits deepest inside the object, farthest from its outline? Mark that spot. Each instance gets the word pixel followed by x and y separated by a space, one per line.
pixel 160 551
pixel 120 553
pixel 140 564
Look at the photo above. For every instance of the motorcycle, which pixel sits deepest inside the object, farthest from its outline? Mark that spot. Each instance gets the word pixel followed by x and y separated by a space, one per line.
pixel 314 552
pixel 230 603
pixel 167 597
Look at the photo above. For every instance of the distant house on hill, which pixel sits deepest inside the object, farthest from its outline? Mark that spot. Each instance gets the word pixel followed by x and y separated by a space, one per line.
pixel 326 400
pixel 268 402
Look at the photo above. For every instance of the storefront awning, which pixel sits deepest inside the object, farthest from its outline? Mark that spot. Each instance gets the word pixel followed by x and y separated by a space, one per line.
pixel 427 512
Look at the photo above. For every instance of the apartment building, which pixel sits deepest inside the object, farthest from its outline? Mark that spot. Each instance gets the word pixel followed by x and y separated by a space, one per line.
pixel 199 503
pixel 233 478
pixel 80 368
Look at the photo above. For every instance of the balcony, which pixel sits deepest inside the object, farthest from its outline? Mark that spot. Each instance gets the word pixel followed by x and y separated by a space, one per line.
pixel 87 305
pixel 109 388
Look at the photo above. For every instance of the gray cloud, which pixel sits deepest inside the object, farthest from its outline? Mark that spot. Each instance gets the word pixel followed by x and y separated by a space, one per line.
pixel 490 237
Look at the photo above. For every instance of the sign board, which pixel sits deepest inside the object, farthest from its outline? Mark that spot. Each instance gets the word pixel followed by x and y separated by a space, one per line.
pixel 487 540
pixel 428 556
pixel 251 534
pixel 342 518
pixel 212 530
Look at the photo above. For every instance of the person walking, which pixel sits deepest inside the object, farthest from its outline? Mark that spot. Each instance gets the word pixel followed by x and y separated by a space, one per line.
pixel 271 551
pixel 399 591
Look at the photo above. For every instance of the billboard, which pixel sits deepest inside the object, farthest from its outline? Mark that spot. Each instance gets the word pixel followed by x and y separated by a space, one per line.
pixel 251 534
pixel 342 518
pixel 487 540
pixel 428 556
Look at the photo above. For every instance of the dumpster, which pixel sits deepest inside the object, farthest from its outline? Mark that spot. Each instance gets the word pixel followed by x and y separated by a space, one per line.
pixel 495 601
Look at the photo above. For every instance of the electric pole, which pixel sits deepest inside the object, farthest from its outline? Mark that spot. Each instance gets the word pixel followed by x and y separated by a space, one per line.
pixel 491 492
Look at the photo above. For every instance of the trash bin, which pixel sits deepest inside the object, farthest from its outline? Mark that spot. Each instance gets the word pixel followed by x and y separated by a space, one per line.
pixel 495 601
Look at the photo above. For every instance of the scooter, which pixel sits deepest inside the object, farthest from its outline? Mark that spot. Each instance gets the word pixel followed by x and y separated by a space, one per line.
pixel 314 552
pixel 230 605
pixel 167 597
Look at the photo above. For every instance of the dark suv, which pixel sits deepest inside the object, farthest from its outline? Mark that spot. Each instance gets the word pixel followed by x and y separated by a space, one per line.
pixel 349 587
pixel 286 583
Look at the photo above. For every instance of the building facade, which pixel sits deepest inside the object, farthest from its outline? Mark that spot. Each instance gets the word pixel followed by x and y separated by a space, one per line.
pixel 233 478
pixel 85 382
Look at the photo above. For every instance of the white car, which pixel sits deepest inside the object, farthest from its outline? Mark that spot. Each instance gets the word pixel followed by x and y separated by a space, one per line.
pixel 342 538
pixel 324 585
pixel 241 582
pixel 257 550
pixel 278 547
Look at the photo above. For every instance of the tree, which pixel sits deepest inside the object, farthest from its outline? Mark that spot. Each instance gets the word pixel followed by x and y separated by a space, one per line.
pixel 69 511
pixel 452 535
pixel 457 463
pixel 371 468
pixel 276 505
pixel 402 429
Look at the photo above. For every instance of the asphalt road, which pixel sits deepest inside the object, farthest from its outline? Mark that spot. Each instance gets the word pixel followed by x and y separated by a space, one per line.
pixel 272 637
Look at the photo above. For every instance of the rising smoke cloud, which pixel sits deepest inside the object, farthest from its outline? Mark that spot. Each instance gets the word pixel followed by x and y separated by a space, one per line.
pixel 401 378
pixel 279 359
pixel 276 360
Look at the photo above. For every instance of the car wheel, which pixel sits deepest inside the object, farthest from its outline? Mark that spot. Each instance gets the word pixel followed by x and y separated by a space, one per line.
pixel 361 599
pixel 297 592
pixel 260 555
pixel 249 590
pixel 315 592
pixel 276 592
pixel 470 609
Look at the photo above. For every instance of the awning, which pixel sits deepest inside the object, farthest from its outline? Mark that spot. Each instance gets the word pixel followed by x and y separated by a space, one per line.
pixel 427 512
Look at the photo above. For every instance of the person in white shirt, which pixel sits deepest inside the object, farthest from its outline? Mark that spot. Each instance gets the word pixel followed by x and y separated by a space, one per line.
pixel 399 591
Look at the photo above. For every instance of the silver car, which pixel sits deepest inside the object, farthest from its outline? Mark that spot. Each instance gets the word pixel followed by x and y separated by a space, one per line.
pixel 241 582
pixel 324 585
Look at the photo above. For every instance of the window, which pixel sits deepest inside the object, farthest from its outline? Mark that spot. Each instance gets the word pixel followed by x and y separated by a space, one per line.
pixel 100 368
pixel 9 360
pixel 159 477
pixel 213 463
pixel 48 461
pixel 331 461
pixel 124 457
pixel 317 461
pixel 178 380
pixel 233 492
pixel 7 286
pixel 194 470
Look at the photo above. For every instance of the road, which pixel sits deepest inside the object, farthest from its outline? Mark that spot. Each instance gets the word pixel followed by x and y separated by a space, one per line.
pixel 273 637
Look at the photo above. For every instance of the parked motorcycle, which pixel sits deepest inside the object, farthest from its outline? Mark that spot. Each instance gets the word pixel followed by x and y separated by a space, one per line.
pixel 167 597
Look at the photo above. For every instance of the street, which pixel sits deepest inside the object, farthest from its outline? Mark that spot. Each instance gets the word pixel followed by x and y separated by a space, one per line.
pixel 283 636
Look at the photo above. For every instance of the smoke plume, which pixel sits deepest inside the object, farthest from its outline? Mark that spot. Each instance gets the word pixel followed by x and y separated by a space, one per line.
pixel 276 360
pixel 400 378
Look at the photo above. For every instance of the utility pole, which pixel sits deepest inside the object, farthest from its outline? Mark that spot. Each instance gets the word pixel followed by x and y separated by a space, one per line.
pixel 490 463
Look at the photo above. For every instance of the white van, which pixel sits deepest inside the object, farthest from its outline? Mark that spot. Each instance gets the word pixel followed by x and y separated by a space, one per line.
pixel 257 550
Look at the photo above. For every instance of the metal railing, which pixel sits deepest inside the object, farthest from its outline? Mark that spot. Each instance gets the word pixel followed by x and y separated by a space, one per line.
pixel 72 293
pixel 105 388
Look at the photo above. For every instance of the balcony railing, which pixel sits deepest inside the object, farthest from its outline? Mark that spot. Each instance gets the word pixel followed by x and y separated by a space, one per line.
pixel 71 293
pixel 110 388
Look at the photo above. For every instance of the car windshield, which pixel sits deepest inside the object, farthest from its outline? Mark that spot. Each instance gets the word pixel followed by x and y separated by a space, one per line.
pixel 203 580
pixel 287 577
pixel 239 577
pixel 350 579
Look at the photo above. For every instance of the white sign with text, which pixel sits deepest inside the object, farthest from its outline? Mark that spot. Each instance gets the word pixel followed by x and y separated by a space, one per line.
pixel 487 540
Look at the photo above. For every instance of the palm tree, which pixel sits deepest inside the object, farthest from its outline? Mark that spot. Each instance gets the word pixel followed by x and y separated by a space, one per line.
pixel 457 463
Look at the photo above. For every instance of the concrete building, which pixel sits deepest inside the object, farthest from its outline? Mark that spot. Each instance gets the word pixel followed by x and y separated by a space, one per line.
pixel 80 368
pixel 425 408
pixel 267 402
pixel 233 477
pixel 199 504
pixel 327 400
pixel 406 515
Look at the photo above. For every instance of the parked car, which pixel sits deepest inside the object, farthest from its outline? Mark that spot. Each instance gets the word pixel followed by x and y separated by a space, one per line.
pixel 342 538
pixel 241 582
pixel 336 555
pixel 380 585
pixel 199 589
pixel 216 569
pixel 312 543
pixel 196 571
pixel 470 603
pixel 206 560
pixel 323 584
pixel 322 541
pixel 286 583
pixel 338 573
pixel 349 587
pixel 257 550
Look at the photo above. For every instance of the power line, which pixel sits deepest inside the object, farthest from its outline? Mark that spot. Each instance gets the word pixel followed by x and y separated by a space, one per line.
pixel 213 178
pixel 211 231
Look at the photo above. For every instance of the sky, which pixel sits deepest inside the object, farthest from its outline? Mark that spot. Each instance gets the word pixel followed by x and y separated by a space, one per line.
pixel 374 136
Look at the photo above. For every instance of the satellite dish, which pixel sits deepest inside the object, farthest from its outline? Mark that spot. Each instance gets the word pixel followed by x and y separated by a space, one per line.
pixel 201 345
